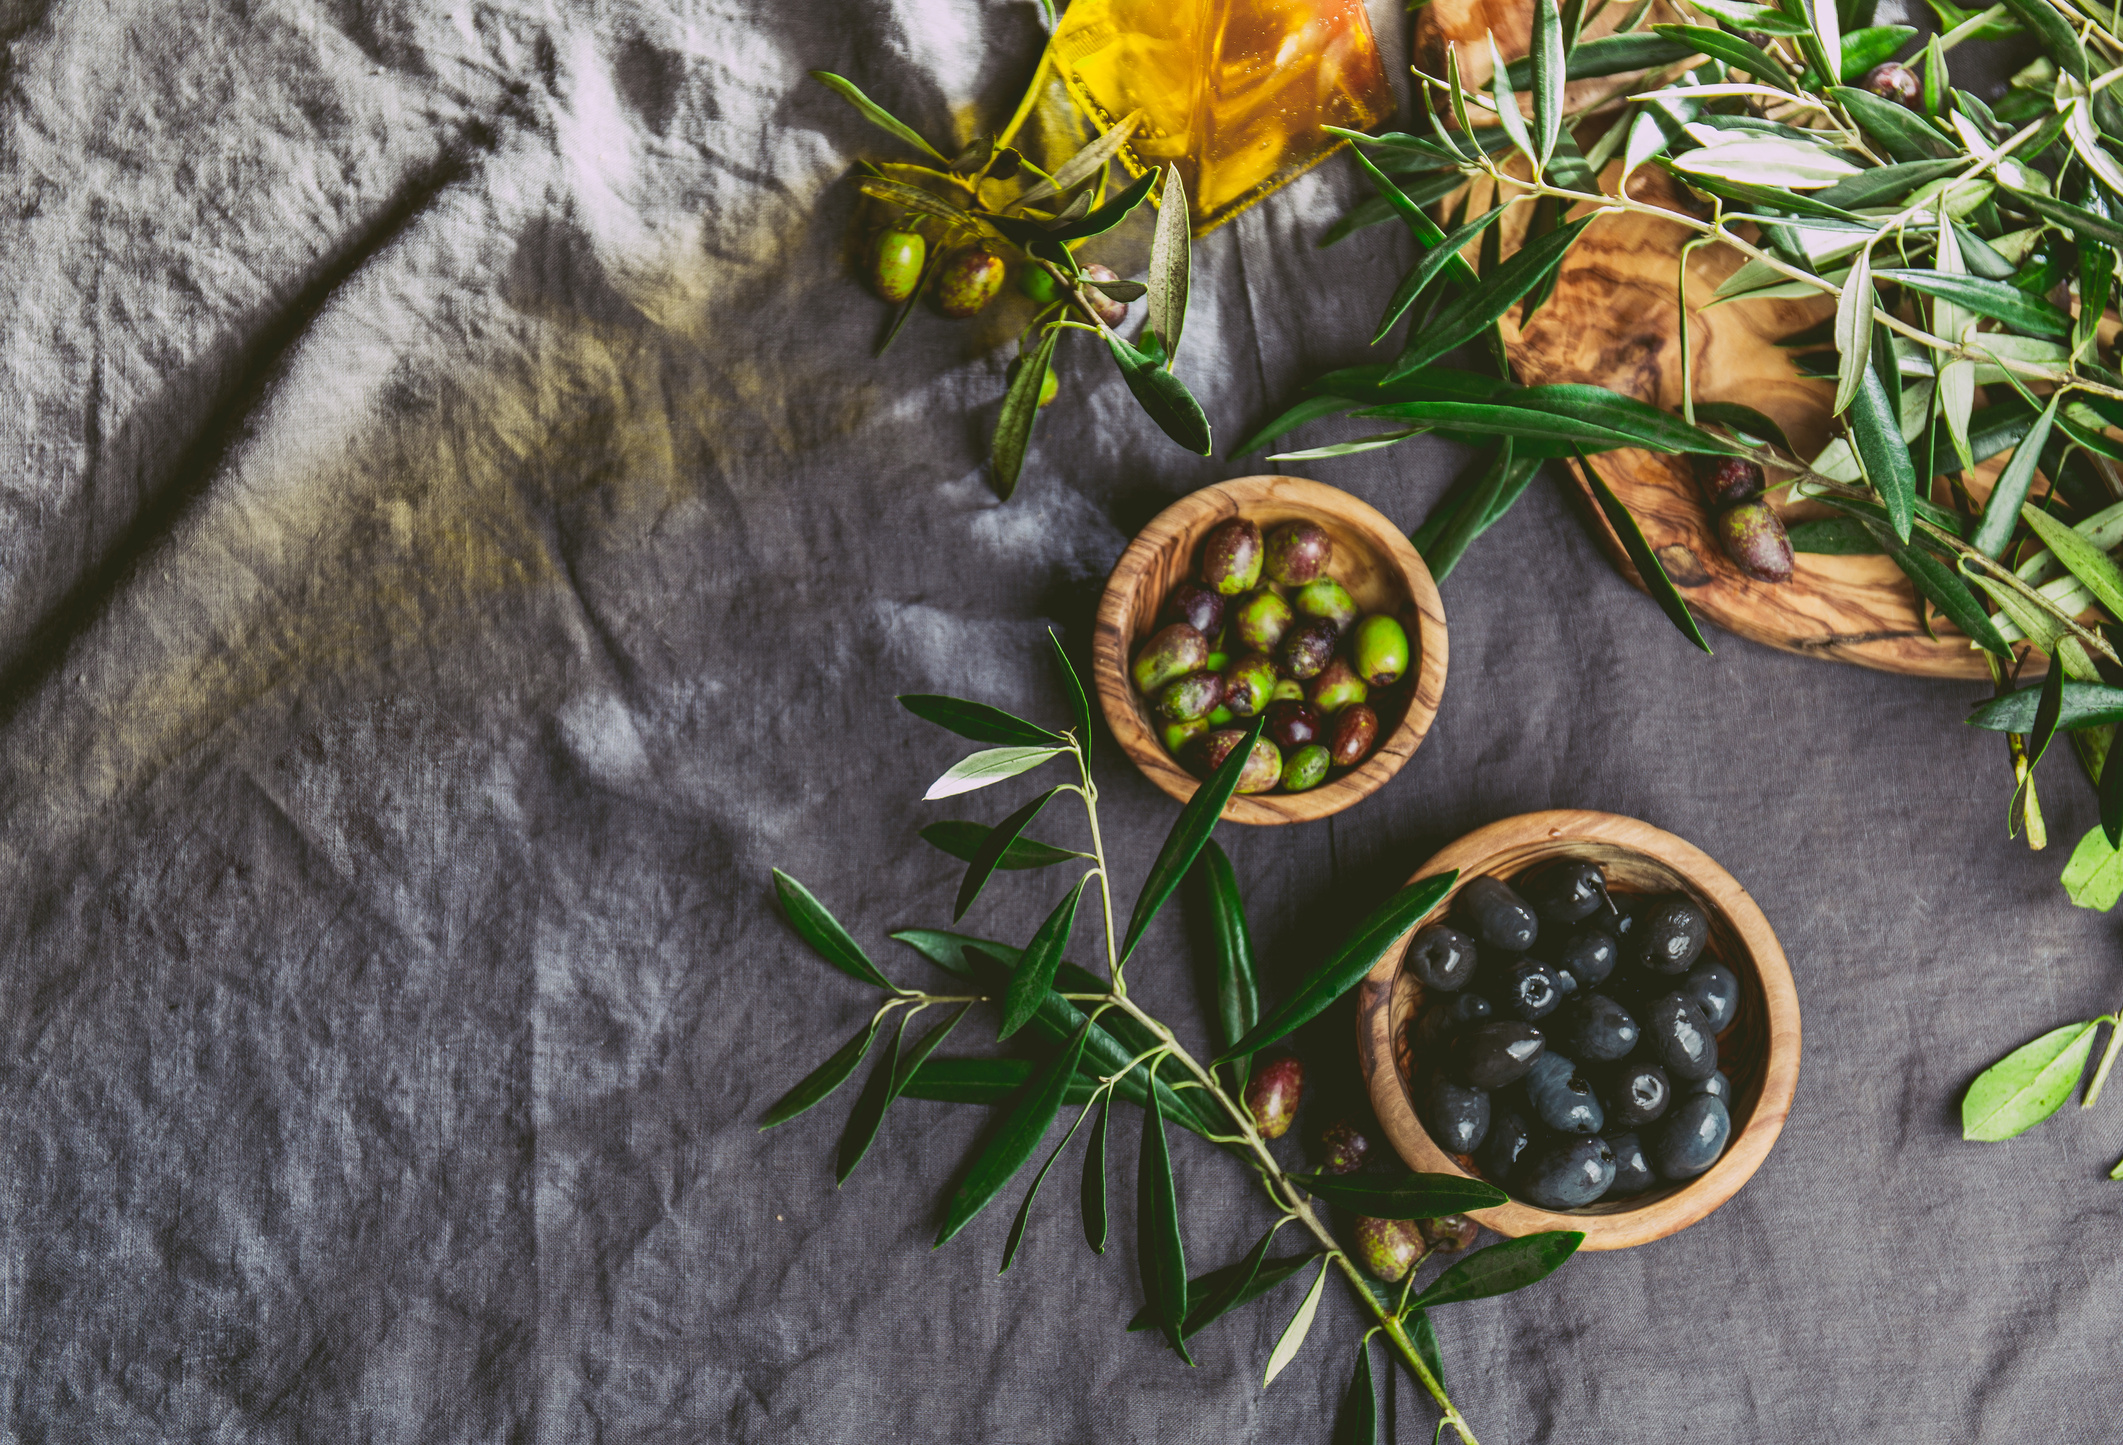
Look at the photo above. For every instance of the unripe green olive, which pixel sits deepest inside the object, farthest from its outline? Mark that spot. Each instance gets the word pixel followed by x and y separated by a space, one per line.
pixel 1379 648
pixel 1324 597
pixel 1754 538
pixel 1249 684
pixel 1273 1092
pixel 1172 654
pixel 896 260
pixel 1297 553
pixel 1287 688
pixel 1260 619
pixel 968 282
pixel 1337 687
pixel 1307 768
pixel 1388 1248
pixel 1191 697
pixel 1354 733
pixel 1231 557
pixel 1038 283
pixel 1049 385
pixel 1177 735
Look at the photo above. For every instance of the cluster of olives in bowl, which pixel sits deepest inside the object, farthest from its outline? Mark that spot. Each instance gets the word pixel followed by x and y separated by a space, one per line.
pixel 1267 629
pixel 1569 1039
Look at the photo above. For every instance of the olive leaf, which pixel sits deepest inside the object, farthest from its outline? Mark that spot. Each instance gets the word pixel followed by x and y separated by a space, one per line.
pixel 2083 224
pixel 1237 987
pixel 1035 970
pixel 1550 70
pixel 1771 160
pixel 1024 1210
pixel 2082 705
pixel 1020 413
pixel 998 841
pixel 978 722
pixel 2080 557
pixel 1774 198
pixel 828 939
pixel 1106 217
pixel 1731 49
pixel 1170 258
pixel 1366 944
pixel 1876 428
pixel 1292 1338
pixel 1501 420
pixel 1091 1195
pixel 1502 1268
pixel 1649 570
pixel 813 1088
pixel 1013 1144
pixel 2055 32
pixel 1086 163
pixel 1190 831
pixel 1357 1423
pixel 1904 135
pixel 1942 586
pixel 1994 299
pixel 869 1111
pixel 1658 123
pixel 1443 553
pixel 2029 1084
pixel 1885 185
pixel 1423 1334
pixel 1866 48
pixel 1642 424
pixel 983 1081
pixel 2001 514
pixel 1213 1295
pixel 1079 704
pixel 1853 331
pixel 1507 105
pixel 2094 876
pixel 1405 1196
pixel 1426 269
pixel 964 840
pixel 1161 394
pixel 876 114
pixel 912 198
pixel 1419 225
pixel 1461 320
pixel 985 769
pixel 1162 1253
pixel 1311 409
pixel 1606 55
pixel 1744 421
pixel 1351 448
pixel 1832 537
pixel 2047 706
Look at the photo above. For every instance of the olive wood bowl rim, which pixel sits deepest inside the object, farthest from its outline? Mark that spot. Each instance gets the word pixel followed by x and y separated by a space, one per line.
pixel 1181 526
pixel 1532 838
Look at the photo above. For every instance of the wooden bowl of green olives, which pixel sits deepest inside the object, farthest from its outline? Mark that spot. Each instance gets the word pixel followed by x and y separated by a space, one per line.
pixel 1277 595
pixel 1586 934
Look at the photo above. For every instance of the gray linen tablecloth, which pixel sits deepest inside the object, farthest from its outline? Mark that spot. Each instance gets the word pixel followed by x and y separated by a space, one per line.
pixel 455 540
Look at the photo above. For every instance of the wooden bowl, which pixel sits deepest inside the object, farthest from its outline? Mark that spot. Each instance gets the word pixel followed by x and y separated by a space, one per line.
pixel 1372 560
pixel 1760 1050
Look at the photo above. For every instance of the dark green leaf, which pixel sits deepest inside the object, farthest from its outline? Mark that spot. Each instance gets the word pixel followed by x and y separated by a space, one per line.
pixel 1876 430
pixel 1079 703
pixel 1426 268
pixel 978 721
pixel 1774 198
pixel 2029 1084
pixel 1863 49
pixel 1468 520
pixel 1419 225
pixel 1366 945
pixel 1162 1253
pixel 1743 16
pixel 1643 424
pixel 822 1080
pixel 1905 135
pixel 869 1112
pixel 2047 707
pixel 1423 1335
pixel 1092 1193
pixel 2082 223
pixel 2000 302
pixel 990 854
pixel 1357 1423
pixel 1745 421
pixel 1648 568
pixel 1035 970
pixel 1436 383
pixel 876 114
pixel 1213 1295
pixel 1729 48
pixel 1024 1210
pixel 1499 420
pixel 2001 513
pixel 1463 318
pixel 963 840
pixel 1021 1132
pixel 1502 1268
pixel 1111 214
pixel 1833 537
pixel 982 1081
pixel 2054 31
pixel 1376 209
pixel 1548 77
pixel 1407 1196
pixel 823 932
pixel 1884 185
pixel 1607 55
pixel 2110 791
pixel 1190 831
pixel 2082 705
pixel 1013 429
pixel 1164 396
pixel 1237 990
pixel 1944 588
pixel 1312 408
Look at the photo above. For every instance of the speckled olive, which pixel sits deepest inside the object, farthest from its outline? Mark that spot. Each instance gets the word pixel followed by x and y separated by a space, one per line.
pixel 1294 725
pixel 1378 646
pixel 1108 310
pixel 1635 1093
pixel 1753 536
pixel 1177 735
pixel 1354 735
pixel 1337 687
pixel 1497 1053
pixel 1263 770
pixel 1715 990
pixel 1530 989
pixel 1568 891
pixel 1449 1233
pixel 1510 1135
pixel 1214 746
pixel 1690 1138
pixel 1568 1174
pixel 1632 1171
pixel 1169 656
pixel 1305 769
pixel 1387 1248
pixel 1190 697
pixel 1324 597
pixel 1441 956
pixel 1298 552
pixel 968 282
pixel 1667 936
pixel 1307 649
pixel 1587 953
pixel 1894 82
pixel 1597 1028
pixel 1273 1092
pixel 1500 918
pixel 1197 606
pixel 1456 1115
pixel 1231 557
pixel 1249 682
pixel 896 259
pixel 1344 1147
pixel 1727 481
pixel 1259 619
pixel 1717 1084
pixel 1561 1097
pixel 1675 1035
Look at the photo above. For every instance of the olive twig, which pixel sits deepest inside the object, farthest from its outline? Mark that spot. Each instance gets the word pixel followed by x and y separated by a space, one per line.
pixel 2108 1059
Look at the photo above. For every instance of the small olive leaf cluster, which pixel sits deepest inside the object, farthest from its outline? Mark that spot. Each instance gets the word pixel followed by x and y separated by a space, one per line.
pixel 991 194
pixel 2032 1082
pixel 1096 1043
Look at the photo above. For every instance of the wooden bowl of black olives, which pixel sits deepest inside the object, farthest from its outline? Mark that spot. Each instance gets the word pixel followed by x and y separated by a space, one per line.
pixel 1597 1020
pixel 1278 596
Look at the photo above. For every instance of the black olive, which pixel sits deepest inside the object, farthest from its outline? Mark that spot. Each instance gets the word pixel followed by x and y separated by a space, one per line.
pixel 1635 1094
pixel 1666 937
pixel 1565 892
pixel 1442 957
pixel 1531 989
pixel 1675 1035
pixel 1561 1098
pixel 1596 1027
pixel 1632 1171
pixel 1714 989
pixel 1589 953
pixel 1491 1055
pixel 1456 1116
pixel 1510 1135
pixel 1568 1174
pixel 1498 916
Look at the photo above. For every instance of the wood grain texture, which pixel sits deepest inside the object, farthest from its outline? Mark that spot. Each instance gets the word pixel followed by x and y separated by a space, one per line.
pixel 1760 1051
pixel 1614 321
pixel 1372 560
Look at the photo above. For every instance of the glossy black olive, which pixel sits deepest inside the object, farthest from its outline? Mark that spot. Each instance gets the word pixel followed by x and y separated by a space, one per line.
pixel 1442 957
pixel 1510 1135
pixel 1616 914
pixel 1690 1138
pixel 1456 1116
pixel 1596 1027
pixel 1714 989
pixel 1589 953
pixel 1632 1171
pixel 1565 892
pixel 1560 1097
pixel 1675 1035
pixel 1666 937
pixel 1491 1055
pixel 1635 1094
pixel 1530 990
pixel 1498 916
pixel 1566 982
pixel 1717 1085
pixel 1568 1174
pixel 1468 1008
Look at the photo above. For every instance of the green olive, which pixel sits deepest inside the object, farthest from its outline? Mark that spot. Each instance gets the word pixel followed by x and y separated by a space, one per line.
pixel 968 282
pixel 1307 768
pixel 1037 283
pixel 1178 734
pixel 1287 689
pixel 1220 716
pixel 1170 655
pixel 1190 698
pixel 895 263
pixel 1324 597
pixel 1249 684
pixel 1380 648
pixel 1261 619
pixel 1337 687
pixel 1231 557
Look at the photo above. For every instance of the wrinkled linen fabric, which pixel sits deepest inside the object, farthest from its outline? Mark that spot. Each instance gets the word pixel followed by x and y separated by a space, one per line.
pixel 454 540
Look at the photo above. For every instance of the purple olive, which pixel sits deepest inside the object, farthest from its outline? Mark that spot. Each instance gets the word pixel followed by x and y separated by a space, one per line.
pixel 1273 1094
pixel 1297 553
pixel 1177 735
pixel 1108 310
pixel 1727 481
pixel 1449 1233
pixel 1337 687
pixel 1388 1248
pixel 1355 732
pixel 1308 648
pixel 1190 697
pixel 1249 683
pixel 1894 82
pixel 1753 537
pixel 1170 655
pixel 1196 606
pixel 1292 725
pixel 1344 1147
pixel 1231 557
pixel 1264 766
